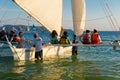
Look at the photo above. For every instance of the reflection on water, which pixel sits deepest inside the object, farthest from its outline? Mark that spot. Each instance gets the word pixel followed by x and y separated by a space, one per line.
pixel 19 67
pixel 96 63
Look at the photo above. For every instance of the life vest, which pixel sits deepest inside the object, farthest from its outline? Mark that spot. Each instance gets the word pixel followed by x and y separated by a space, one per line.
pixel 86 39
pixel 95 38
pixel 64 40
pixel 54 40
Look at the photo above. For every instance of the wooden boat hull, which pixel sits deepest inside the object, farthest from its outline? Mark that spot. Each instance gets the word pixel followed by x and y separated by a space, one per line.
pixel 29 54
pixel 50 51
pixel 23 53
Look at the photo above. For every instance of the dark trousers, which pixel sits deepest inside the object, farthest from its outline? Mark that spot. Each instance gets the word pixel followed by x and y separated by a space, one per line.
pixel 74 50
pixel 39 54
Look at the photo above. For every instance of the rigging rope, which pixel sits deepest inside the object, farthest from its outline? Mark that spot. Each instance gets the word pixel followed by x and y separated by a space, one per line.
pixel 106 13
pixel 2 18
pixel 115 20
pixel 111 18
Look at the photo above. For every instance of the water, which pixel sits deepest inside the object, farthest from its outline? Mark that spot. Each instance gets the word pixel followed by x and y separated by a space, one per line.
pixel 95 63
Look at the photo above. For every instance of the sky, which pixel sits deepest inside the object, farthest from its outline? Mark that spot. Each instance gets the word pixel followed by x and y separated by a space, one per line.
pixel 100 14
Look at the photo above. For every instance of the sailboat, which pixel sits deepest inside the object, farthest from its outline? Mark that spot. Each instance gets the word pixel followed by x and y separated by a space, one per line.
pixel 49 14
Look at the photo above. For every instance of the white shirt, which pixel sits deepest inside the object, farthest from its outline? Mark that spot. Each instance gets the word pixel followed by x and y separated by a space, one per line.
pixel 38 44
pixel 100 38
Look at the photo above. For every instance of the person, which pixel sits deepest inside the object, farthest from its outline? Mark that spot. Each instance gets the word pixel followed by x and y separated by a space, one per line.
pixel 37 43
pixel 64 38
pixel 53 37
pixel 74 48
pixel 11 35
pixel 21 40
pixel 2 35
pixel 86 37
pixel 95 38
pixel 15 38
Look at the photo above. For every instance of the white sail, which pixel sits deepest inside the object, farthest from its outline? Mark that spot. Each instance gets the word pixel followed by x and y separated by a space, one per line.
pixel 78 11
pixel 46 12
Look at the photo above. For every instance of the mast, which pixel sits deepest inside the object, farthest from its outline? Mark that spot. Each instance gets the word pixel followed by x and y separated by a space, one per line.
pixel 78 12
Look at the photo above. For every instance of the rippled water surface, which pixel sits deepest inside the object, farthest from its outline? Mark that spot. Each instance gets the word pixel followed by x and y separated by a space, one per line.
pixel 95 63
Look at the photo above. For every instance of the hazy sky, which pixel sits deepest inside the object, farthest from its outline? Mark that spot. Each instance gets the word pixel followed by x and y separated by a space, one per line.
pixel 99 15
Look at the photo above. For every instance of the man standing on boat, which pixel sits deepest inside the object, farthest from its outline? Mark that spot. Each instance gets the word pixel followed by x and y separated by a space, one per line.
pixel 37 43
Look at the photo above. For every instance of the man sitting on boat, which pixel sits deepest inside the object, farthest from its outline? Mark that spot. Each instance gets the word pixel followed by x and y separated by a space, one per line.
pixel 95 38
pixel 11 35
pixel 65 39
pixel 21 42
pixel 15 38
pixel 2 35
pixel 53 37
pixel 86 37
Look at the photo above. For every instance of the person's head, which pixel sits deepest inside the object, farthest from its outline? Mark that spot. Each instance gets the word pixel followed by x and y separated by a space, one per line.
pixel 65 33
pixel 35 35
pixel 54 33
pixel 95 31
pixel 12 32
pixel 87 31
pixel 20 34
pixel 15 35
pixel 74 36
pixel 3 31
